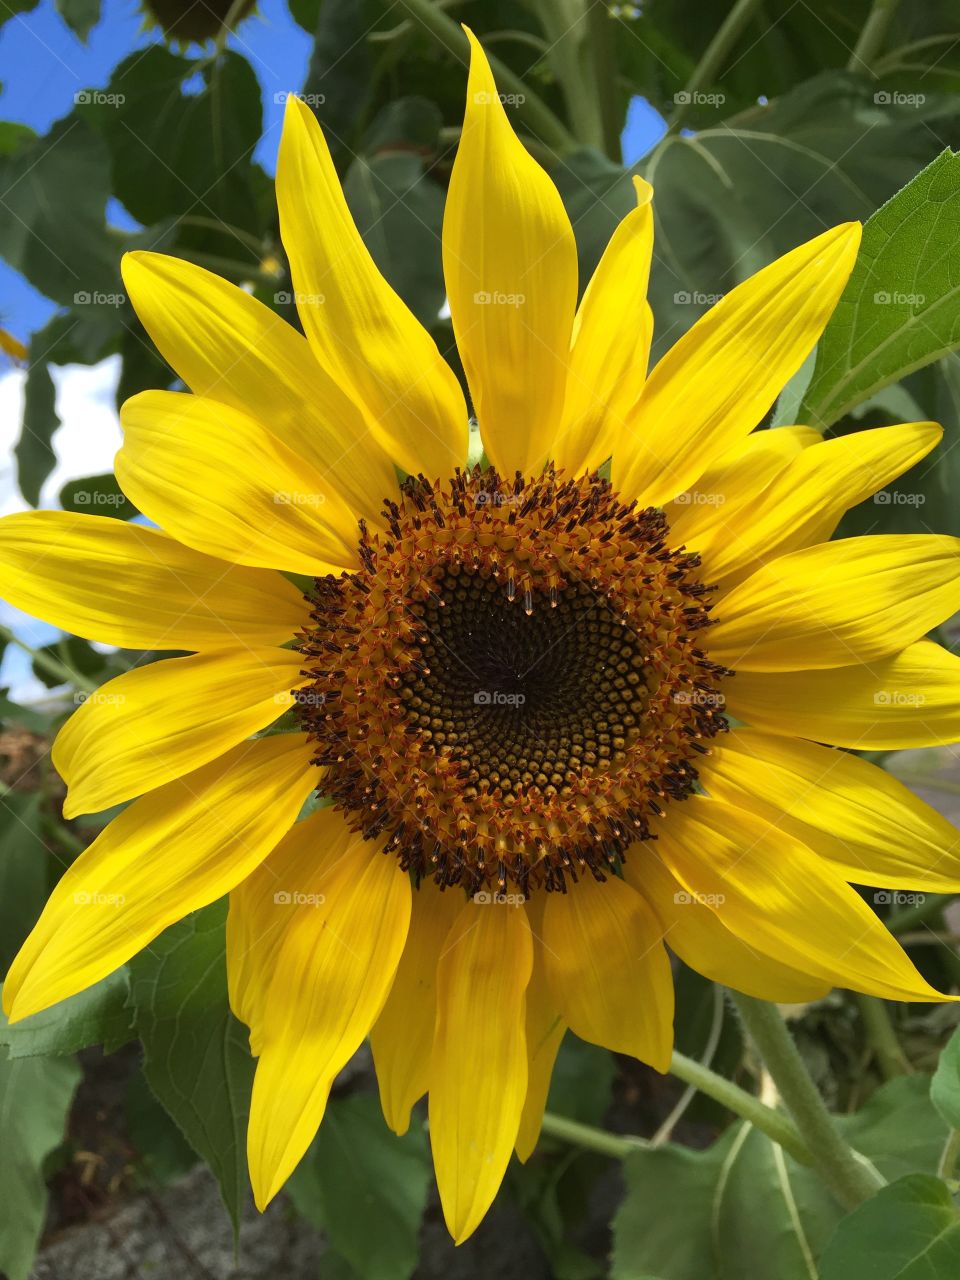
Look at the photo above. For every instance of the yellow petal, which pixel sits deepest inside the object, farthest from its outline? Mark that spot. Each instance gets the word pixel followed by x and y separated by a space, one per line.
pixel 402 1038
pixel 227 346
pixel 699 937
pixel 510 263
pixel 158 722
pixel 841 602
pixel 772 892
pixel 612 333
pixel 909 700
pixel 607 968
pixel 171 852
pixel 221 483
pixel 127 585
pixel 701 516
pixel 478 1074
pixel 847 810
pixel 718 381
pixel 806 500
pixel 545 1030
pixel 331 973
pixel 360 331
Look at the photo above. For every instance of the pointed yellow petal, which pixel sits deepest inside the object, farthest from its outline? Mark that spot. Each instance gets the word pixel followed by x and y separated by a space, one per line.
pixel 402 1038
pixel 804 504
pixel 718 381
pixel 841 602
pixel 773 892
pixel 545 1030
pixel 217 480
pixel 171 852
pixel 510 264
pixel 478 1075
pixel 612 333
pixel 229 347
pixel 911 699
pixel 137 588
pixel 332 971
pixel 607 968
pixel 158 722
pixel 699 937
pixel 360 331
pixel 845 809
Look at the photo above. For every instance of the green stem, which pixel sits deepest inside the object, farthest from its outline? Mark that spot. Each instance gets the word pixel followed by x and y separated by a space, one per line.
pixel 872 35
pixel 773 1123
pixel 600 37
pixel 231 268
pixel 538 117
pixel 949 1156
pixel 882 1038
pixel 61 671
pixel 909 917
pixel 707 69
pixel 851 1179
pixel 591 1139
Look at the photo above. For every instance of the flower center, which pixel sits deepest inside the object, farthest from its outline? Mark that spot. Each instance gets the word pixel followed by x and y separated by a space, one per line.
pixel 512 682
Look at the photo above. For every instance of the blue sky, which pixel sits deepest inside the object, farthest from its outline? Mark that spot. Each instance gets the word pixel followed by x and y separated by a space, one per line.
pixel 43 64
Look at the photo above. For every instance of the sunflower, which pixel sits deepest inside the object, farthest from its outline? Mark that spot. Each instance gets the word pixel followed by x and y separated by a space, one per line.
pixel 508 684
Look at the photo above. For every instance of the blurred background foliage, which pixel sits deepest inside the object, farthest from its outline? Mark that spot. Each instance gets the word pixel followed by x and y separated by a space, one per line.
pixel 759 125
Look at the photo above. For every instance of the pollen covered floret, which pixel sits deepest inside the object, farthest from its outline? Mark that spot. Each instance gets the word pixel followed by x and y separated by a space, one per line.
pixel 513 682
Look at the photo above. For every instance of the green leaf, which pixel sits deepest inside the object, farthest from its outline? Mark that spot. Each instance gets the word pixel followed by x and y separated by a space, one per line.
pixel 79 655
pixel 35 1097
pixel 97 495
pixel 365 1188
pixel 34 451
pixel 163 1153
pixel 81 16
pixel 24 863
pixel 100 1015
pixel 945 1085
pixel 197 1061
pixel 908 1231
pixel 751 1209
pixel 901 308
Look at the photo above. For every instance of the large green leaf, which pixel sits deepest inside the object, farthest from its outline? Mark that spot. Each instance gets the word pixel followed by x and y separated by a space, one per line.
pixel 100 1015
pixel 901 308
pixel 365 1188
pixel 945 1085
pixel 35 1096
pixel 908 1231
pixel 749 1208
pixel 197 1061
pixel 24 869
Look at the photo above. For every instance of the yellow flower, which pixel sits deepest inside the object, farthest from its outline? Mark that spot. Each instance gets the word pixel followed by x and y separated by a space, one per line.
pixel 507 681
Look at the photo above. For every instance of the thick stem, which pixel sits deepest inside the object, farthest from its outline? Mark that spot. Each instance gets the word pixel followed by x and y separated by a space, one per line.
pixel 851 1178
pixel 773 1123
pixel 949 1156
pixel 603 56
pixel 882 1038
pixel 872 35
pixel 538 117
pixel 706 70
